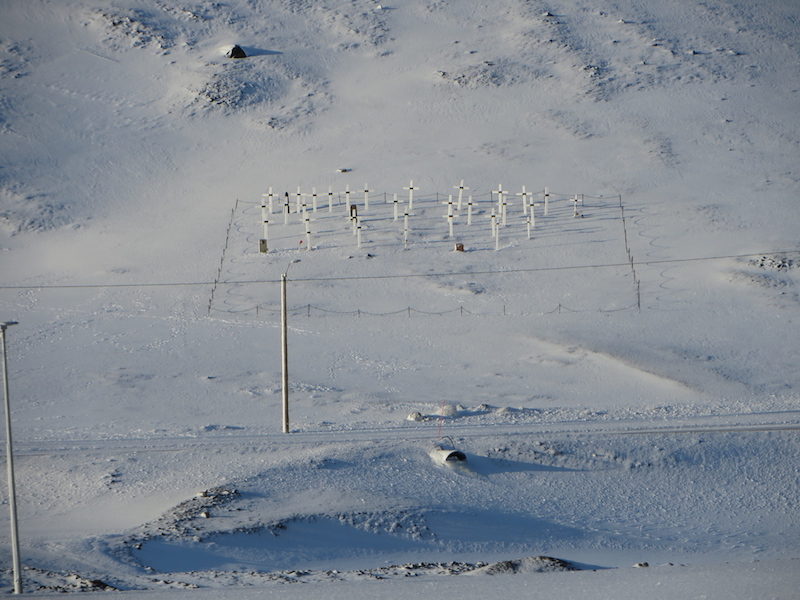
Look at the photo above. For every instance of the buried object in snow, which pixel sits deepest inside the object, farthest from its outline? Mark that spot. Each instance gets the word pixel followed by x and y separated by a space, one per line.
pixel 445 456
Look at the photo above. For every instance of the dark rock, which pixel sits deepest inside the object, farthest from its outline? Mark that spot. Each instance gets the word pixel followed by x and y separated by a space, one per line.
pixel 236 52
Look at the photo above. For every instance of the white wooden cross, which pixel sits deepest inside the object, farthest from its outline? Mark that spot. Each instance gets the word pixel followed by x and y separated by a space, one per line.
pixel 501 203
pixel 366 196
pixel 264 217
pixel 524 195
pixel 307 219
pixel 546 198
pixel 460 189
pixel 575 201
pixel 449 215
pixel 304 204
pixel 268 195
pixel 410 189
pixel 499 191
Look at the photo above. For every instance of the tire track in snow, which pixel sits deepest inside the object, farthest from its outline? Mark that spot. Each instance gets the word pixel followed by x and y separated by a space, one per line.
pixel 670 294
pixel 398 434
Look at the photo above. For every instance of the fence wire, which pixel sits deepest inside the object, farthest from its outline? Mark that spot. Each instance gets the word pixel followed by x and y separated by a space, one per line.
pixel 311 310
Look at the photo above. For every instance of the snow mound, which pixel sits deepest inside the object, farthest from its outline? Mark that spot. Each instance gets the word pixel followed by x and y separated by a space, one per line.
pixel 777 262
pixel 240 86
pixel 121 29
pixel 490 74
pixel 45 581
pixel 530 564
pixel 22 211
pixel 448 410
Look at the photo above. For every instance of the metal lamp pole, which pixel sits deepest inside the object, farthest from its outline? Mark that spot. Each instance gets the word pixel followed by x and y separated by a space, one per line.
pixel 285 350
pixel 12 494
pixel 284 356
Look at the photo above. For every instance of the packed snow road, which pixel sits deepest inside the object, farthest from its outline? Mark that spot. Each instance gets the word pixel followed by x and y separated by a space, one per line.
pixel 757 422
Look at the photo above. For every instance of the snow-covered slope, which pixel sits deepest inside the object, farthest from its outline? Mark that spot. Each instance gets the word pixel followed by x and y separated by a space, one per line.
pixel 620 370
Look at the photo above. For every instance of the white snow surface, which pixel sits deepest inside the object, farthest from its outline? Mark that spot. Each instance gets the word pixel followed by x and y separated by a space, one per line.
pixel 620 372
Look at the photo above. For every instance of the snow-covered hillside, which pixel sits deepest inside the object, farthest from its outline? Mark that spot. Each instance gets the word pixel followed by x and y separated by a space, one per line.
pixel 613 347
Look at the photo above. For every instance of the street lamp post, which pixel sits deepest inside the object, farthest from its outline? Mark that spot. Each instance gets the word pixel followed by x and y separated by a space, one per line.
pixel 12 494
pixel 284 356
pixel 285 350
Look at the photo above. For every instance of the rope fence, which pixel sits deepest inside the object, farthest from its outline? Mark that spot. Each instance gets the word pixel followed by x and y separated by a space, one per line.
pixel 311 310
pixel 636 281
pixel 222 258
pixel 416 219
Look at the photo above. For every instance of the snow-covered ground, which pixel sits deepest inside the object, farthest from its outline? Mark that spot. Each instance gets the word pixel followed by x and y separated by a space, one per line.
pixel 619 369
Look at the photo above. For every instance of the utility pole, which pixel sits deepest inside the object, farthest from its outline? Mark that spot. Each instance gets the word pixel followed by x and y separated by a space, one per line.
pixel 285 349
pixel 284 356
pixel 12 493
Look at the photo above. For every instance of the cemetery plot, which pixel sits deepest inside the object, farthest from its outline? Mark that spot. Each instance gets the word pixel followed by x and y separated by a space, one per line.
pixel 498 252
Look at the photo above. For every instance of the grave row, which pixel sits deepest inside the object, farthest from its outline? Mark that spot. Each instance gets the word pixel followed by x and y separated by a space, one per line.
pixel 306 205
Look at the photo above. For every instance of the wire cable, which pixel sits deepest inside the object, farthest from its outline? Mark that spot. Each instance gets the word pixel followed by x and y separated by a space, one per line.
pixel 69 286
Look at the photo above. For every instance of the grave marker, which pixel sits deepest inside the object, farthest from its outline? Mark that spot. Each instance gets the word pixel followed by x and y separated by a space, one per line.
pixel 410 189
pixel 524 195
pixel 460 189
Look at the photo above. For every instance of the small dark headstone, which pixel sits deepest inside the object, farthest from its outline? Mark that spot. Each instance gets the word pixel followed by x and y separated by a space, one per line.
pixel 237 52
